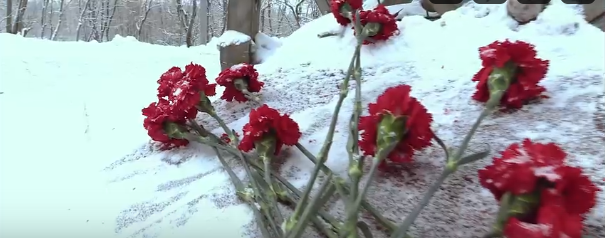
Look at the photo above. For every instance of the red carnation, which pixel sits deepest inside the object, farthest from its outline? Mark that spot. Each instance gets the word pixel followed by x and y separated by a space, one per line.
pixel 396 103
pixel 519 167
pixel 561 210
pixel 157 115
pixel 551 221
pixel 239 80
pixel 534 168
pixel 379 24
pixel 519 59
pixel 574 191
pixel 267 122
pixel 167 80
pixel 183 89
pixel 342 8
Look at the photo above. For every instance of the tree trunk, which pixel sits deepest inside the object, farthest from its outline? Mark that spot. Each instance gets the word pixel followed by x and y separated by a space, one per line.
pixel 9 16
pixel 113 12
pixel 42 18
pixel 189 37
pixel 324 6
pixel 147 8
pixel 18 25
pixel 81 20
pixel 61 11
pixel 204 21
pixel 243 17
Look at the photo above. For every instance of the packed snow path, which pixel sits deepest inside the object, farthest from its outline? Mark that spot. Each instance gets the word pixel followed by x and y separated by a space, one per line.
pixel 76 161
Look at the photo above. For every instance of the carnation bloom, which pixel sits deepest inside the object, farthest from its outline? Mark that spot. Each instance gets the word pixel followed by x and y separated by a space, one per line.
pixel 184 89
pixel 238 81
pixel 561 210
pixel 551 221
pixel 157 115
pixel 519 167
pixel 340 7
pixel 380 24
pixel 535 168
pixel 167 81
pixel 519 58
pixel 267 122
pixel 397 102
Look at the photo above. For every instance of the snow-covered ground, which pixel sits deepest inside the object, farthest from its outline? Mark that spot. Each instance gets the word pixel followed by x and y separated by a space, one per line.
pixel 75 159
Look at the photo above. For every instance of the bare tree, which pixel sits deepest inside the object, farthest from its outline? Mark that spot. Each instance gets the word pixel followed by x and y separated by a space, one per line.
pixel 186 21
pixel 61 12
pixel 295 9
pixel 81 19
pixel 42 16
pixel 18 25
pixel 108 22
pixel 153 21
pixel 204 19
pixel 147 8
pixel 9 16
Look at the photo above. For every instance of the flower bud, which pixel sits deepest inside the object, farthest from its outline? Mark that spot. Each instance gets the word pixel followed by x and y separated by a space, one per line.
pixel 517 206
pixel 390 131
pixel 498 82
pixel 174 130
pixel 265 147
pixel 346 10
pixel 204 105
pixel 371 29
pixel 240 84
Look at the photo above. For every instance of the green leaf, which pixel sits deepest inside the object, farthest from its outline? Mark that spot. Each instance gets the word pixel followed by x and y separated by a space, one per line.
pixel 474 157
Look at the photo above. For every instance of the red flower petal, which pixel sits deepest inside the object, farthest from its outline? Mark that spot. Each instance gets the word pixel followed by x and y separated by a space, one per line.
pixel 574 190
pixel 156 115
pixel 520 166
pixel 530 71
pixel 552 221
pixel 167 80
pixel 267 121
pixel 335 6
pixel 241 71
pixel 397 101
pixel 182 90
pixel 381 15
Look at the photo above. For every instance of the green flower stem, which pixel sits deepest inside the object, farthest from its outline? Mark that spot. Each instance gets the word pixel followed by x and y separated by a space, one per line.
pixel 326 190
pixel 346 191
pixel 409 220
pixel 240 191
pixel 502 215
pixel 331 231
pixel 300 207
pixel 355 160
pixel 239 186
pixel 262 196
pixel 265 148
pixel 450 168
pixel 324 215
pixel 270 196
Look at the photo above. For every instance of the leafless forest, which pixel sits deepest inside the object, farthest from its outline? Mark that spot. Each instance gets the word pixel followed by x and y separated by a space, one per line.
pixel 165 22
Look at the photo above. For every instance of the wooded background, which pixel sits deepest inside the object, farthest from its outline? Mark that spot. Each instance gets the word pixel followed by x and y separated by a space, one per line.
pixel 164 22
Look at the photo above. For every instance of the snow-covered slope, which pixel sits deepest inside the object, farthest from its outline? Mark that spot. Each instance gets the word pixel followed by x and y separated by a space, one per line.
pixel 75 160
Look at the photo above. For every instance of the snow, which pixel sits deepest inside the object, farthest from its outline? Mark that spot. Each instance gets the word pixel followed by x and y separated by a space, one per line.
pixel 79 161
pixel 231 37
